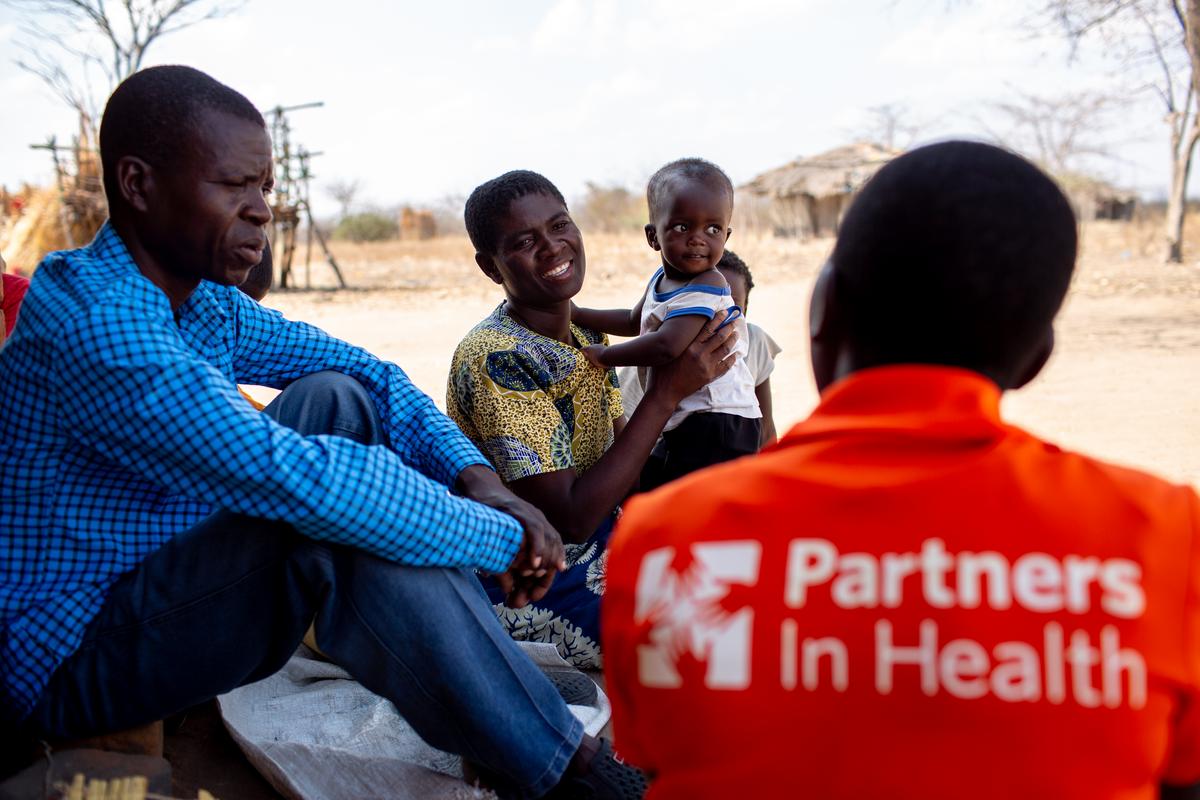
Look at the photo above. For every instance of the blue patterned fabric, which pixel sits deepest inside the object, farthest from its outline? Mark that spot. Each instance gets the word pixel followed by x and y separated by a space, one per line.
pixel 123 426
pixel 568 616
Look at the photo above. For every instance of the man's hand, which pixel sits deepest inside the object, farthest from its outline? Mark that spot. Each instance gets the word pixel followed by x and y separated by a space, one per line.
pixel 541 554
pixel 592 353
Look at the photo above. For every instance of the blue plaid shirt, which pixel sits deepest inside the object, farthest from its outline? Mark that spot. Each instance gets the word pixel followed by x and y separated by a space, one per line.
pixel 122 426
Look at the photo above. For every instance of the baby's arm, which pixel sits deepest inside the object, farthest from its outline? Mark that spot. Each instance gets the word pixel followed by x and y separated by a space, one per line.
pixel 651 349
pixel 613 321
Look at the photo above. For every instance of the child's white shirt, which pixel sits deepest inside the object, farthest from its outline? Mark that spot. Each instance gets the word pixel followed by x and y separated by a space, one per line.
pixel 761 352
pixel 731 393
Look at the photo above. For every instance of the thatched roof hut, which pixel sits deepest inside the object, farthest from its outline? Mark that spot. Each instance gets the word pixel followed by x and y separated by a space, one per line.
pixel 809 196
pixel 1093 198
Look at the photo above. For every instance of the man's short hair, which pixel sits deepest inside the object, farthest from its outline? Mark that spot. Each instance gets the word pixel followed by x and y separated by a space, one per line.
pixel 957 253
pixel 153 115
pixel 693 169
pixel 733 262
pixel 491 200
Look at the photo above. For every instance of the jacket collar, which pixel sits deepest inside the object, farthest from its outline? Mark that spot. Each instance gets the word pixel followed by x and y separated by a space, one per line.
pixel 905 401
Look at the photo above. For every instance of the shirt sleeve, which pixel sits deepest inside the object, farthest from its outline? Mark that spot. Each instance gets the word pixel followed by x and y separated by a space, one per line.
pixel 11 297
pixel 694 301
pixel 274 351
pixel 761 350
pixel 630 388
pixel 616 402
pixel 1183 763
pixel 515 422
pixel 134 393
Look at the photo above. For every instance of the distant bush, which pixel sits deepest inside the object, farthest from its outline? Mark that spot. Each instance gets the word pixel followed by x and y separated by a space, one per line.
pixel 369 226
pixel 611 209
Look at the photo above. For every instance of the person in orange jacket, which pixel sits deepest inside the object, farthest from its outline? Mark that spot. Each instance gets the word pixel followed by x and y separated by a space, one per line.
pixel 908 597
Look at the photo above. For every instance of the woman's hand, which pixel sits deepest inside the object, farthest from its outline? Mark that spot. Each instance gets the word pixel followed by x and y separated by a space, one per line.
pixel 708 357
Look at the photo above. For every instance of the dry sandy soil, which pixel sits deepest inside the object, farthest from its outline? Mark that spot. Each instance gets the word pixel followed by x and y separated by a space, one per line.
pixel 1124 383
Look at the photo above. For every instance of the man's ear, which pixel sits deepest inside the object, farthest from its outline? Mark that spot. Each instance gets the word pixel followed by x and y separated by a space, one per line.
pixel 135 182
pixel 824 328
pixel 652 238
pixel 1037 361
pixel 488 266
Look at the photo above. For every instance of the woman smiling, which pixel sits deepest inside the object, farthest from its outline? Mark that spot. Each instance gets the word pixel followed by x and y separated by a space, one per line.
pixel 551 423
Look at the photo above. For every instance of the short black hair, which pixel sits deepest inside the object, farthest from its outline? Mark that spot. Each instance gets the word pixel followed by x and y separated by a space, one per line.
pixel 490 201
pixel 262 275
pixel 154 113
pixel 732 262
pixel 693 169
pixel 958 253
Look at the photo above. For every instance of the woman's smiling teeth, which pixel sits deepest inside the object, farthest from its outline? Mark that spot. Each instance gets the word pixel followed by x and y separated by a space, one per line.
pixel 559 271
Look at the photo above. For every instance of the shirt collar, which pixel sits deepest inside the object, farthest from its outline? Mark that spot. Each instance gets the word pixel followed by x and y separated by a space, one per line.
pixel 200 302
pixel 920 400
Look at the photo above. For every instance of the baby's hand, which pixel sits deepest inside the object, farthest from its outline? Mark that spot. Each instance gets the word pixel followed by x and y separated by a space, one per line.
pixel 593 353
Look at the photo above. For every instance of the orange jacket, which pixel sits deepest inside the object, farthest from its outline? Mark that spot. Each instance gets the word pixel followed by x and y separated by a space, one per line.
pixel 907 597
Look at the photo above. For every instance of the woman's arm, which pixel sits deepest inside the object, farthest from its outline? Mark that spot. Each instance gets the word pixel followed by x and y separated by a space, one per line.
pixel 576 504
pixel 613 321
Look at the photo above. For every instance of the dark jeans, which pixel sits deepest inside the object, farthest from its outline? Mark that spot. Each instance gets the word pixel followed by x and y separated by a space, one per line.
pixel 227 602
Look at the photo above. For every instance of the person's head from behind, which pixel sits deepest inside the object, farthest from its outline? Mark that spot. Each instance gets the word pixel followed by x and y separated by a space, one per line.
pixel 738 276
pixel 690 202
pixel 525 239
pixel 956 254
pixel 187 165
pixel 261 276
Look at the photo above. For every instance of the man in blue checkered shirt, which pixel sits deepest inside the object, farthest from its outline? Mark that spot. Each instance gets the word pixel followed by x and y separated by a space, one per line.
pixel 161 542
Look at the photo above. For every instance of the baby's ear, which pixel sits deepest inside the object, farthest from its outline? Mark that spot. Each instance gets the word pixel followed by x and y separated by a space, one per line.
pixel 652 238
pixel 488 267
pixel 728 233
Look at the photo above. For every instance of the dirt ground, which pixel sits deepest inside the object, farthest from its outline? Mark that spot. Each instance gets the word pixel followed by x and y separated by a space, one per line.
pixel 1124 383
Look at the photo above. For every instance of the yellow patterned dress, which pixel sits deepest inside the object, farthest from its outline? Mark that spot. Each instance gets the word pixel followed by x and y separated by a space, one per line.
pixel 533 405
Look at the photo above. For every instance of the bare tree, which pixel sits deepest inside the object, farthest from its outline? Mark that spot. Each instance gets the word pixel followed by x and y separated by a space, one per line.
pixel 890 125
pixel 73 45
pixel 1061 132
pixel 344 191
pixel 1157 43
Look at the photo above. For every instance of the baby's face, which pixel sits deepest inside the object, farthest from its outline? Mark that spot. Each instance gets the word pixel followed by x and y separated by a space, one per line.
pixel 692 226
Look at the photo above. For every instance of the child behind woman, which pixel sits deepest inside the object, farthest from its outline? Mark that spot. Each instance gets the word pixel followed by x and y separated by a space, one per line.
pixel 761 348
pixel 690 203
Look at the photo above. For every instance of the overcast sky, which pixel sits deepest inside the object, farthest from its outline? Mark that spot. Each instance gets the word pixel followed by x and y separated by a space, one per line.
pixel 425 100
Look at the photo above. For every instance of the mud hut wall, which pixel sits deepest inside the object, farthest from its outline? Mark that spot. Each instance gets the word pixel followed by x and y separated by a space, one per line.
pixel 752 214
pixel 827 213
pixel 417 224
pixel 792 216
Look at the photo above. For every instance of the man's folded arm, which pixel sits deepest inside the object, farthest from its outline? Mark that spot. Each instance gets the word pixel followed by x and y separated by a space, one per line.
pixel 138 397
pixel 274 351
